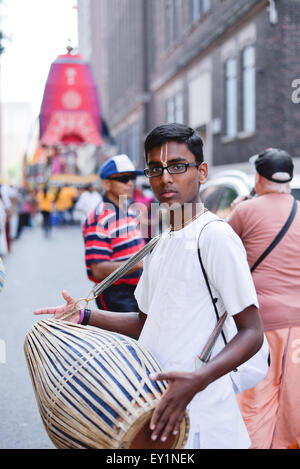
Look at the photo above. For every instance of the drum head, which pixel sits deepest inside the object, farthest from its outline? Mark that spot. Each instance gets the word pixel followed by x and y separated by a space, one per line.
pixel 139 435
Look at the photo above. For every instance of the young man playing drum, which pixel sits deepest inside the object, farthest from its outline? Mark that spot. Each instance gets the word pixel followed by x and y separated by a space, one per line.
pixel 176 315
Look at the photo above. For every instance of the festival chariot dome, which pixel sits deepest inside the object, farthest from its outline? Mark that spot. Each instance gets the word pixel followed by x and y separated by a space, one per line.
pixel 70 111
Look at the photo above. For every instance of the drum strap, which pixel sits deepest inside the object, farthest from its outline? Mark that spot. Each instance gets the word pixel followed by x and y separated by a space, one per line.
pixel 114 276
pixel 82 303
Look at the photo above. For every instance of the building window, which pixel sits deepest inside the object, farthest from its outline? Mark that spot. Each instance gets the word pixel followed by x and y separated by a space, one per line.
pixel 249 89
pixel 128 142
pixel 205 6
pixel 174 109
pixel 173 15
pixel 122 142
pixel 231 97
pixel 194 10
pixel 133 144
pixel 168 24
pixel 177 14
pixel 197 9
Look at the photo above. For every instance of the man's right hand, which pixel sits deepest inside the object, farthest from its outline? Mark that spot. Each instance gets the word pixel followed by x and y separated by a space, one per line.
pixel 60 311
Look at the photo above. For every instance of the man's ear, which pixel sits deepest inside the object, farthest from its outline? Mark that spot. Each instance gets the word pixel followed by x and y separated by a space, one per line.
pixel 203 172
pixel 106 184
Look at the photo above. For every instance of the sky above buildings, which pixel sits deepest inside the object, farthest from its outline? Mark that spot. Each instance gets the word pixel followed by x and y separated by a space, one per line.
pixel 38 31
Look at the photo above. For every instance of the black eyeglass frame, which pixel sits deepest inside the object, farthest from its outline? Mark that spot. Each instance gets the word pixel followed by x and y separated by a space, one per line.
pixel 186 165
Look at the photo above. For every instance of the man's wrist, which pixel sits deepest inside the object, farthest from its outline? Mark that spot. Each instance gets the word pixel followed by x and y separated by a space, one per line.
pixel 204 376
pixel 84 316
pixel 81 314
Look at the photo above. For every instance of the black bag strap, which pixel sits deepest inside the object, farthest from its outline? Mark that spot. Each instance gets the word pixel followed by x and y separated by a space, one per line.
pixel 206 352
pixel 279 236
pixel 265 253
pixel 276 240
pixel 214 300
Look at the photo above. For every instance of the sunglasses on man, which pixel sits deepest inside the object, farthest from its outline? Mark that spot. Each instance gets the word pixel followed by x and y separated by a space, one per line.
pixel 124 179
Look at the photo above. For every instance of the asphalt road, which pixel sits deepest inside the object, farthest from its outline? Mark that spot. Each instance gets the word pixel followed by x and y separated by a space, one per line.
pixel 37 269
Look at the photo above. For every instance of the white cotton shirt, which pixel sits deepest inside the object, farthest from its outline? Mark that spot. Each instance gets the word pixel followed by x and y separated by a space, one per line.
pixel 180 317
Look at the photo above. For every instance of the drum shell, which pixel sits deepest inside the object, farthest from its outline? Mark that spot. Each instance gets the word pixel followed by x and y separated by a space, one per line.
pixel 93 388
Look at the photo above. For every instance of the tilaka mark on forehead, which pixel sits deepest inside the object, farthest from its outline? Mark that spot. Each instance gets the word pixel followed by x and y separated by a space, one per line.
pixel 164 155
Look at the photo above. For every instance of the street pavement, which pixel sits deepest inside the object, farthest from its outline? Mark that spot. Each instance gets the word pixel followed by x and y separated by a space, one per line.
pixel 37 269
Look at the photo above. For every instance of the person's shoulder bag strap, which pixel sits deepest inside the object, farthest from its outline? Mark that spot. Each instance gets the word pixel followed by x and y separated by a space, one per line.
pixel 206 352
pixel 279 236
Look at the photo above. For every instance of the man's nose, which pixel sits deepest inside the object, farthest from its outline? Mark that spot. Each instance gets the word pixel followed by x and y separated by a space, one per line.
pixel 166 176
pixel 130 183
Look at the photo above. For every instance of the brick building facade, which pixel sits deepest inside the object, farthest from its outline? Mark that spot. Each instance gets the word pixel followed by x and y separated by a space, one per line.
pixel 225 67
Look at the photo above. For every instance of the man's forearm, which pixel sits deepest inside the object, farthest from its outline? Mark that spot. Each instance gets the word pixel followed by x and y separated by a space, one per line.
pixel 129 324
pixel 102 270
pixel 243 346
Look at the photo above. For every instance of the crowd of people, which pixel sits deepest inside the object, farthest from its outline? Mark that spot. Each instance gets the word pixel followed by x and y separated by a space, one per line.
pixel 25 207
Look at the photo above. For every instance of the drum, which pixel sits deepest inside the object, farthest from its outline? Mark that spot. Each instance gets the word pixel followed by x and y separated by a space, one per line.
pixel 93 388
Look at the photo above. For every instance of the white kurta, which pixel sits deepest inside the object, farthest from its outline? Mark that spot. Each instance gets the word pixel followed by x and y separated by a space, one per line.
pixel 180 318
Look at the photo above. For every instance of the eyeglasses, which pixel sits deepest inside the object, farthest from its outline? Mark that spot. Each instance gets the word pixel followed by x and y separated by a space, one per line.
pixel 124 179
pixel 177 168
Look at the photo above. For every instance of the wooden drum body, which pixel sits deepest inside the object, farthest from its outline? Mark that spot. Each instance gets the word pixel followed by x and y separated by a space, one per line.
pixel 93 388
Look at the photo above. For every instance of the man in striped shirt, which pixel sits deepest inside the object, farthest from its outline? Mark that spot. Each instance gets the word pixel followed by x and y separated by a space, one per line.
pixel 112 235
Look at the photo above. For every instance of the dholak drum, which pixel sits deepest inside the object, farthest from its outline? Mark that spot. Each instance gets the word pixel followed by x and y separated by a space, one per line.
pixel 93 388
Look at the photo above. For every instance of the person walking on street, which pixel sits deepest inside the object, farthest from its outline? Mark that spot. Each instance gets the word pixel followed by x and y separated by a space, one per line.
pixel 176 316
pixel 26 207
pixel 65 199
pixel 272 408
pixel 45 198
pixel 6 194
pixel 111 235
pixel 3 218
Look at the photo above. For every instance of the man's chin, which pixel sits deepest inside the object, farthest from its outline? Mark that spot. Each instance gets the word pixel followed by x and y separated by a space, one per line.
pixel 170 203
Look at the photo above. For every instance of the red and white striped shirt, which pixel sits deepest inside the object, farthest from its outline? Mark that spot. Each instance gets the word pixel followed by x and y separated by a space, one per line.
pixel 111 234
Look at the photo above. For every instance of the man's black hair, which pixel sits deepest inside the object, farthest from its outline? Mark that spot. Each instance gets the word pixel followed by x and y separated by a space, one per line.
pixel 175 132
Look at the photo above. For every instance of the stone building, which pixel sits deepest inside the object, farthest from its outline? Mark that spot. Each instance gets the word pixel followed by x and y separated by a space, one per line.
pixel 228 68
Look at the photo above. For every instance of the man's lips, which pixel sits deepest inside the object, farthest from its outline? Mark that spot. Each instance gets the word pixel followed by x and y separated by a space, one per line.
pixel 168 193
